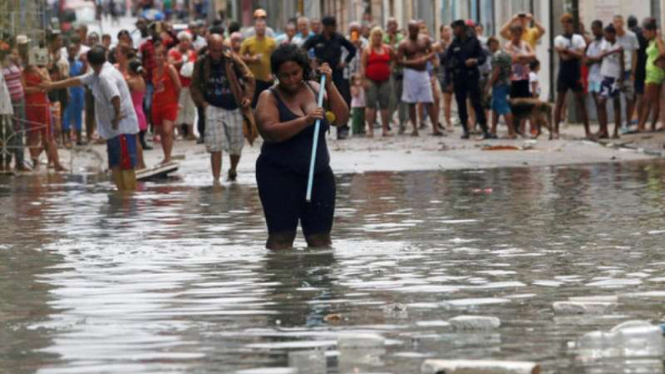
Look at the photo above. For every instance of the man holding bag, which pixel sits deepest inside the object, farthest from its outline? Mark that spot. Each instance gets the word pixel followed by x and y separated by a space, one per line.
pixel 224 87
pixel 183 57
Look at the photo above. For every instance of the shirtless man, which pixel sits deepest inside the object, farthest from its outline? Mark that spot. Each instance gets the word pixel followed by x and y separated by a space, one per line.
pixel 413 54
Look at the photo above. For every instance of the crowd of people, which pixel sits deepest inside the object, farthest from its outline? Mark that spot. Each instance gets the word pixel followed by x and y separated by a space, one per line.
pixel 203 82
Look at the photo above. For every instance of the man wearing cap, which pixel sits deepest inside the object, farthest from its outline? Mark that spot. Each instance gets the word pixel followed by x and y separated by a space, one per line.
pixel 327 48
pixel 464 55
pixel 255 52
pixel 260 14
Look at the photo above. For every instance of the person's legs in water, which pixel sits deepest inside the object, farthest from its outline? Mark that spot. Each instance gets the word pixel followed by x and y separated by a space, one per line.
pixel 282 195
pixel 201 124
pixel 460 97
pixel 52 152
pixel 413 117
pixel 233 171
pixel 317 216
pixel 656 108
pixel 166 132
pixel 475 97
pixel 650 101
pixel 617 116
pixel 596 98
pixel 603 132
pixel 17 141
pixel 122 156
pixel 558 111
pixel 216 164
pixel 280 241
pixel 580 101
pixel 370 117
pixel 448 109
pixel 385 121
pixel 140 162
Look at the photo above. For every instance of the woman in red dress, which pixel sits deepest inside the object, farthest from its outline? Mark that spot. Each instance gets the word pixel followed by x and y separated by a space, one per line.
pixel 167 86
pixel 38 117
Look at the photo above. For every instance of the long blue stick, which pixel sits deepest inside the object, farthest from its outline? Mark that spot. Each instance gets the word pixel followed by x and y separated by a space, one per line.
pixel 317 126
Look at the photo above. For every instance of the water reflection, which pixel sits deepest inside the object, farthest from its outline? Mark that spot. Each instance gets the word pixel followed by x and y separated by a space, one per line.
pixel 175 278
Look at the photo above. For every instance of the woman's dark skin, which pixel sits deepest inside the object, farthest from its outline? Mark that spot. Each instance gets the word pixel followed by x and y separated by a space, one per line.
pixel 302 102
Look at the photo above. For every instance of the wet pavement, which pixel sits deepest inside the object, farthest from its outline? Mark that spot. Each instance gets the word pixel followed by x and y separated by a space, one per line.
pixel 175 278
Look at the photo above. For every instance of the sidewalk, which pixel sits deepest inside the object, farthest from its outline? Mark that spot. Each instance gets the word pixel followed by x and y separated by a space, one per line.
pixel 405 153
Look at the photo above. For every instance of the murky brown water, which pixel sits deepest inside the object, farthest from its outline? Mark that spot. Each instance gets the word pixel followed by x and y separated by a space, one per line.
pixel 175 279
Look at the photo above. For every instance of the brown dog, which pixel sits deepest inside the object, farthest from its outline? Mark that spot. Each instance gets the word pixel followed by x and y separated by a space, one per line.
pixel 537 111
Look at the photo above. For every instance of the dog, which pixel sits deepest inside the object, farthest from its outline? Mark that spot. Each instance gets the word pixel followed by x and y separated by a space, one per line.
pixel 537 111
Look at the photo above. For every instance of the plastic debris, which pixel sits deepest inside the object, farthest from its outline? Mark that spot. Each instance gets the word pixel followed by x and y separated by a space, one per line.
pixel 631 339
pixel 360 341
pixel 575 307
pixel 475 322
pixel 310 362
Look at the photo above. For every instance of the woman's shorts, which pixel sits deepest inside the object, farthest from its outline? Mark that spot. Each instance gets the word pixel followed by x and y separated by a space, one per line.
pixel 378 92
pixel 500 102
pixel 165 112
pixel 282 192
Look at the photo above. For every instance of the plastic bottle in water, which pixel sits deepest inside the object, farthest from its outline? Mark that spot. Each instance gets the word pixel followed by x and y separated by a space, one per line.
pixel 639 339
pixel 596 345
pixel 308 362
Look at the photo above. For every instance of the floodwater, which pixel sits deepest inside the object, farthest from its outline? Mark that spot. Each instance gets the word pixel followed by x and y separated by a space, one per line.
pixel 175 279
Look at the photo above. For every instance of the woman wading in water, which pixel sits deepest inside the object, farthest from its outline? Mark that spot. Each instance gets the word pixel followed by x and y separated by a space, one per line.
pixel 285 115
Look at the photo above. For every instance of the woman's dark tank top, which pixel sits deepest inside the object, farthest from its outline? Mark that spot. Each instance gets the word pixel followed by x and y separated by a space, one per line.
pixel 294 154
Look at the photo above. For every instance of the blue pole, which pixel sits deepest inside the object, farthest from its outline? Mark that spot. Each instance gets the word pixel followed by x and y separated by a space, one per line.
pixel 317 126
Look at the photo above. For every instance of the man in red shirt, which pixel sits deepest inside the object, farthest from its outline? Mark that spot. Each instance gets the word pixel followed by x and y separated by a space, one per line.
pixel 183 57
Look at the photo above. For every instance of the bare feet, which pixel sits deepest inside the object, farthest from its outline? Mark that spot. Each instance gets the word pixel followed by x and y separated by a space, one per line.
pixel 166 161
pixel 555 136
pixel 615 135
pixel 437 133
pixel 603 135
pixel 22 168
pixel 414 132
pixel 369 135
pixel 59 168
pixel 386 134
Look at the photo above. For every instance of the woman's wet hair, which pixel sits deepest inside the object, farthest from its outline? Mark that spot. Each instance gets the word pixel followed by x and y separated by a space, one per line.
pixel 135 66
pixel 291 52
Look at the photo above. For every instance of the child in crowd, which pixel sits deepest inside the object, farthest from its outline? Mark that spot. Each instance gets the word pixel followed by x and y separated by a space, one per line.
pixel 358 107
pixel 499 83
pixel 611 71
pixel 534 81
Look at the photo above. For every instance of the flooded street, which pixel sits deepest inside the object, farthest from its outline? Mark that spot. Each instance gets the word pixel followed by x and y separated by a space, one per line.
pixel 176 278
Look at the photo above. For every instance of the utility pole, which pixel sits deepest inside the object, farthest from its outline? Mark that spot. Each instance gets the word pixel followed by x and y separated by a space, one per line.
pixel 576 14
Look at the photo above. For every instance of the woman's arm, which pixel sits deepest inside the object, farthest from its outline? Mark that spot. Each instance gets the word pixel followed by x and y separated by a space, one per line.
pixel 176 80
pixel 363 62
pixel 267 120
pixel 336 101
